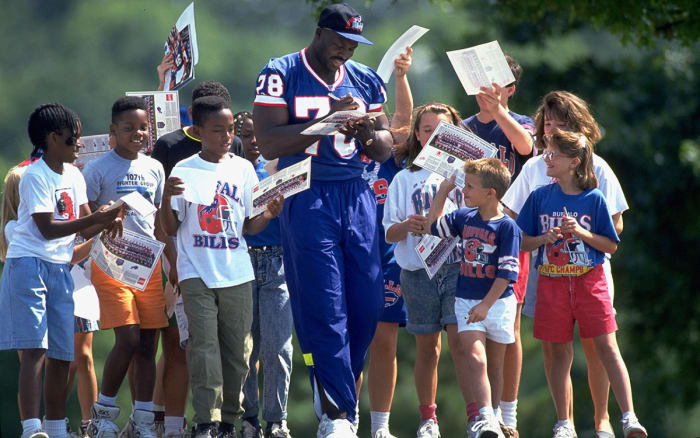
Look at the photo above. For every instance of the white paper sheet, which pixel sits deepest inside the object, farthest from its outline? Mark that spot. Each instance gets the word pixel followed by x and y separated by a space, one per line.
pixel 433 252
pixel 480 66
pixel 328 125
pixel 200 185
pixel 386 66
pixel 85 300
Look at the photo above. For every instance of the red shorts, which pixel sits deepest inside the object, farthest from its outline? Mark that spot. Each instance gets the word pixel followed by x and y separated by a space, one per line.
pixel 563 301
pixel 520 286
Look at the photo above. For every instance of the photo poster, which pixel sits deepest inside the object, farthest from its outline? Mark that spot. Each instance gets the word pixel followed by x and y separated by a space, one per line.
pixel 163 108
pixel 449 147
pixel 433 251
pixel 329 125
pixel 408 38
pixel 129 259
pixel 182 44
pixel 481 66
pixel 93 146
pixel 287 182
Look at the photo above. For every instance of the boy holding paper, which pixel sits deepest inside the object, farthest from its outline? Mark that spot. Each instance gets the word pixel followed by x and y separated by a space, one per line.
pixel 213 265
pixel 134 315
pixel 512 134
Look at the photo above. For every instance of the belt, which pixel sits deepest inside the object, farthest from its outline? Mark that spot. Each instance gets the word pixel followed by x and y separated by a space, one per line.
pixel 263 248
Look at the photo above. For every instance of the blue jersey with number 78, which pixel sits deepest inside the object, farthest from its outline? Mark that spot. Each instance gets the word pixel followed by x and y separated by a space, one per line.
pixel 290 82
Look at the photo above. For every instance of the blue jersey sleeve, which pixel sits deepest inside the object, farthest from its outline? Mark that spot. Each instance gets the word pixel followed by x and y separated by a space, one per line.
pixel 378 97
pixel 508 248
pixel 448 225
pixel 270 87
pixel 527 219
pixel 603 221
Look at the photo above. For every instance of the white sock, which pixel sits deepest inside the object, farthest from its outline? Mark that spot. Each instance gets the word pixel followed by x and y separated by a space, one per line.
pixel 629 415
pixel 158 408
pixel 31 425
pixel 486 412
pixel 173 425
pixel 564 423
pixel 105 400
pixel 143 405
pixel 56 428
pixel 509 412
pixel 380 420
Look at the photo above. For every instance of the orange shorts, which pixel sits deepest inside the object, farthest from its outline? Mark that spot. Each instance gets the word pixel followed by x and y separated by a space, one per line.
pixel 122 305
pixel 520 286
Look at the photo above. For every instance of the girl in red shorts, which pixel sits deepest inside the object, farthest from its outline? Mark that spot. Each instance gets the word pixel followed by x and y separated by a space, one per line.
pixel 570 223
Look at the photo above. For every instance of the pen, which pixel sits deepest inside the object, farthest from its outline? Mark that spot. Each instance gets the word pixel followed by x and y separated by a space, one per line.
pixel 333 96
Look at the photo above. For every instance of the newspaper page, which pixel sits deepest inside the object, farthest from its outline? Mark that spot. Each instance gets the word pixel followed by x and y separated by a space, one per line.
pixel 386 66
pixel 433 251
pixel 93 147
pixel 163 108
pixel 130 259
pixel 329 125
pixel 287 182
pixel 481 66
pixel 182 44
pixel 449 147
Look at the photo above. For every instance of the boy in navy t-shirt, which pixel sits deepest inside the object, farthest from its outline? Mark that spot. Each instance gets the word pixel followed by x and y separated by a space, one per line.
pixel 485 305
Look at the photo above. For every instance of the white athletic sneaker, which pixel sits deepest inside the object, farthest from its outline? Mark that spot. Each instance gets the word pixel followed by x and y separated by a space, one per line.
pixel 564 431
pixel 383 433
pixel 141 425
pixel 633 429
pixel 428 429
pixel 339 428
pixel 102 423
pixel 485 427
pixel 36 434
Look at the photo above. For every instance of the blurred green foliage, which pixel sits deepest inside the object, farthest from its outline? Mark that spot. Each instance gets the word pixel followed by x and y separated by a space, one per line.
pixel 85 54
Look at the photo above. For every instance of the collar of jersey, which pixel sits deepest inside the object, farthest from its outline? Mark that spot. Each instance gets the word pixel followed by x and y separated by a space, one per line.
pixel 339 75
pixel 187 134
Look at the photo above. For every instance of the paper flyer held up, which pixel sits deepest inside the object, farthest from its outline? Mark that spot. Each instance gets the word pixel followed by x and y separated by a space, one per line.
pixel 449 147
pixel 386 66
pixel 287 182
pixel 329 125
pixel 182 44
pixel 481 66
pixel 200 185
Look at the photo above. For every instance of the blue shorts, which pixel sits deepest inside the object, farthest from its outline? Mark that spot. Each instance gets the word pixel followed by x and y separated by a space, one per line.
pixel 36 307
pixel 394 305
pixel 430 302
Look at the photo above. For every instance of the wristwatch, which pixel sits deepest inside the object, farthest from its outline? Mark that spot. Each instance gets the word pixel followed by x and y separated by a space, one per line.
pixel 369 142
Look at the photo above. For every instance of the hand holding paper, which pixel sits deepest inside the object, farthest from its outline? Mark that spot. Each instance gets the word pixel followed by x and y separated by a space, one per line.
pixel 402 63
pixel 199 185
pixel 274 207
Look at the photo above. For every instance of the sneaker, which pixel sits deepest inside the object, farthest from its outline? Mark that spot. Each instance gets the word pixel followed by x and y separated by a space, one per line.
pixel 428 429
pixel 604 434
pixel 509 432
pixel 277 430
pixel 83 430
pixel 632 429
pixel 102 423
pixel 564 431
pixel 485 427
pixel 226 430
pixel 159 426
pixel 250 431
pixel 205 430
pixel 339 428
pixel 383 433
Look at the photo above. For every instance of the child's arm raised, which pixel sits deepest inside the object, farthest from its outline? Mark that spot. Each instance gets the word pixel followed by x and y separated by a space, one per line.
pixel 168 219
pixel 446 186
pixel 490 99
pixel 259 223
pixel 404 98
pixel 601 243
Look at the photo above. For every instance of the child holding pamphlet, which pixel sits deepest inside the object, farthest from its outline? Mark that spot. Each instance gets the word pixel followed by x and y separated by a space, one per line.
pixel 214 267
pixel 511 134
pixel 36 281
pixel 570 224
pixel 485 305
pixel 134 315
pixel 429 302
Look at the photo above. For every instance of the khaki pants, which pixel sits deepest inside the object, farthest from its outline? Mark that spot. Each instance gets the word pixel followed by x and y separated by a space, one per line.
pixel 218 349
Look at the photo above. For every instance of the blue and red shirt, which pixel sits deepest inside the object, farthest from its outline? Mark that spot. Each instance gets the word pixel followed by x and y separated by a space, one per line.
pixel 290 82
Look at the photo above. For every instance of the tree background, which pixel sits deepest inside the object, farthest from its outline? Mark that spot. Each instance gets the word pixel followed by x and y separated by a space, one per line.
pixel 639 75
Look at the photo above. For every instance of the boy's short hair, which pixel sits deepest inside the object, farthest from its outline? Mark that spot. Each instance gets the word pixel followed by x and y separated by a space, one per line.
pixel 48 118
pixel 515 68
pixel 492 173
pixel 204 107
pixel 127 103
pixel 211 88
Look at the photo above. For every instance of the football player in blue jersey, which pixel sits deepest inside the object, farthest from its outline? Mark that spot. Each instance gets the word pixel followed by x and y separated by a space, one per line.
pixel 330 241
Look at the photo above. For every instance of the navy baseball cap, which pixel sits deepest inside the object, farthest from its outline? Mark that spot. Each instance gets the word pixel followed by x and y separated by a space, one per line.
pixel 342 19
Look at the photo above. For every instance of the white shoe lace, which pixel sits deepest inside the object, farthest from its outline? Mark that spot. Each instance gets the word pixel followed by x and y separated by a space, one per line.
pixel 428 429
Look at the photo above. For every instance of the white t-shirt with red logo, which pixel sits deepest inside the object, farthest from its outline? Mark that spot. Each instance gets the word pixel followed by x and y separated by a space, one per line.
pixel 210 243
pixel 41 190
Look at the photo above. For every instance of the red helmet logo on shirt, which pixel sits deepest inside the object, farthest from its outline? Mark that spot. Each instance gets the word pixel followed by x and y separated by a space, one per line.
pixel 568 250
pixel 474 252
pixel 216 217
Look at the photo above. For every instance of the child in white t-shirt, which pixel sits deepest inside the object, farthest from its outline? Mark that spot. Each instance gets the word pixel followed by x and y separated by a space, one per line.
pixel 36 297
pixel 214 267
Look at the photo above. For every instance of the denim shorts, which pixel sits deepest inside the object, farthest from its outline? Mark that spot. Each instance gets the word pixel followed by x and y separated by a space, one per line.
pixel 430 302
pixel 36 307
